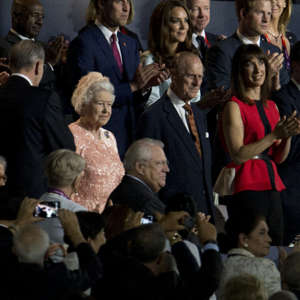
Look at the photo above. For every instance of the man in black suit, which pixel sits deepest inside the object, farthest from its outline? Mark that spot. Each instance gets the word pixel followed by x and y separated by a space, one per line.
pixel 254 20
pixel 146 170
pixel 27 20
pixel 287 100
pixel 200 18
pixel 31 122
pixel 187 145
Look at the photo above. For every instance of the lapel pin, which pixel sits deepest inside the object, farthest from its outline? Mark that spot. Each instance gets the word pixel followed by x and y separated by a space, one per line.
pixel 124 44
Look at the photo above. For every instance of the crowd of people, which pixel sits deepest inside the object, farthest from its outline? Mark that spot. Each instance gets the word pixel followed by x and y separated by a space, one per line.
pixel 168 173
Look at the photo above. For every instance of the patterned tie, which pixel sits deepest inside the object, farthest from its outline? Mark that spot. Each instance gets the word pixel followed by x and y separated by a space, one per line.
pixel 116 52
pixel 193 127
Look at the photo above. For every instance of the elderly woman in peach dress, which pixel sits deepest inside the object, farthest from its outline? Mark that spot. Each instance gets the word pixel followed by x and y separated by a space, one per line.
pixel 92 100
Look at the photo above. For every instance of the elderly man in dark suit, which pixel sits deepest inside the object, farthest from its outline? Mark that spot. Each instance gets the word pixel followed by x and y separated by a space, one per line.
pixel 181 126
pixel 254 20
pixel 146 169
pixel 31 122
pixel 287 100
pixel 27 20
pixel 103 48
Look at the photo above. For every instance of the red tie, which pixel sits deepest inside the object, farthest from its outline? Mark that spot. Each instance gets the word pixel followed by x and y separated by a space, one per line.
pixel 193 127
pixel 116 53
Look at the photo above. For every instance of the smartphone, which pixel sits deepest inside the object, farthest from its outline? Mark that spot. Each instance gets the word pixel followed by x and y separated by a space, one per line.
pixel 47 209
pixel 147 219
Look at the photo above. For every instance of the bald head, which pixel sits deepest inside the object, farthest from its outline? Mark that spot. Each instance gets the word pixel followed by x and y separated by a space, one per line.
pixel 27 17
pixel 187 75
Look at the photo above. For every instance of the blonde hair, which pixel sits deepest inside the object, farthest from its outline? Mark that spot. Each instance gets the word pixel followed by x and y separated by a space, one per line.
pixel 285 17
pixel 87 87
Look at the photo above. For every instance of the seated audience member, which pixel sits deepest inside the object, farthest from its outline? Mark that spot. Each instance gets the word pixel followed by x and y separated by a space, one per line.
pixel 38 127
pixel 91 16
pixel 27 17
pixel 93 99
pixel 287 100
pixel 102 47
pixel 291 273
pixel 146 169
pixel 170 32
pixel 181 126
pixel 63 169
pixel 248 242
pixel 29 275
pixel 283 295
pixel 244 287
pixel 255 139
pixel 250 28
pixel 136 263
pixel 277 33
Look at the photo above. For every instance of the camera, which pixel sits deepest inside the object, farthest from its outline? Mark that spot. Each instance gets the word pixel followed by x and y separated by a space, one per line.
pixel 147 219
pixel 47 209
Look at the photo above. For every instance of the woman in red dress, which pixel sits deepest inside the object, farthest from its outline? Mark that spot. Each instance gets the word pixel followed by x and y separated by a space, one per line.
pixel 256 139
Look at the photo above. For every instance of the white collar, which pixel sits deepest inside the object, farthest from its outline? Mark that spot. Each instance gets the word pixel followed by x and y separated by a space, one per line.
pixel 245 40
pixel 23 76
pixel 22 37
pixel 296 83
pixel 175 99
pixel 106 32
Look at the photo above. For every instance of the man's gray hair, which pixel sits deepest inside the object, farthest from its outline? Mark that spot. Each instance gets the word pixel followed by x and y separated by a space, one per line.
pixel 31 244
pixel 88 86
pixel 283 295
pixel 140 150
pixel 180 61
pixel 3 162
pixel 62 167
pixel 291 271
pixel 25 54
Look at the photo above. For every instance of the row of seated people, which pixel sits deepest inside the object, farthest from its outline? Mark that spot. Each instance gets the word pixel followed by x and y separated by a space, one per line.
pixel 182 128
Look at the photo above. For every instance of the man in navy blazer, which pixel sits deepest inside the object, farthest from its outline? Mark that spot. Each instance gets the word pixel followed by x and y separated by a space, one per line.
pixel 92 51
pixel 254 20
pixel 165 120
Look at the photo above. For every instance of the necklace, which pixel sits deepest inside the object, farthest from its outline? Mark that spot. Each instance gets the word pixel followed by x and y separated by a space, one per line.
pixel 276 37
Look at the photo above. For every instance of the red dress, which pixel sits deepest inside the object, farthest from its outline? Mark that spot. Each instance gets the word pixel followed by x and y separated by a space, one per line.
pixel 253 174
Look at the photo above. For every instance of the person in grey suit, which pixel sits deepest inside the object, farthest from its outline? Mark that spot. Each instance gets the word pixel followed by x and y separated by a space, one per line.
pixel 146 170
pixel 254 18
pixel 187 144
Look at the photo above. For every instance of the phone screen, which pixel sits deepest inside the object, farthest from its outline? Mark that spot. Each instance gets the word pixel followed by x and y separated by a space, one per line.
pixel 47 209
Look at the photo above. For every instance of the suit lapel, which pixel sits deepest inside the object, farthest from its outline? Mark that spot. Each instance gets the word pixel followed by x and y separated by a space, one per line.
pixel 124 52
pixel 294 93
pixel 12 38
pixel 105 48
pixel 179 128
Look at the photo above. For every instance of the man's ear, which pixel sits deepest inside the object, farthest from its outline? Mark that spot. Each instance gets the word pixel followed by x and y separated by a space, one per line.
pixel 243 240
pixel 242 13
pixel 139 166
pixel 36 68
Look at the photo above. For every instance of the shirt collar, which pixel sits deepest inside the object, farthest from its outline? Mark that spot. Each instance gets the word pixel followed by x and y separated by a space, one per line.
pixel 245 40
pixel 22 37
pixel 23 76
pixel 107 33
pixel 175 99
pixel 296 83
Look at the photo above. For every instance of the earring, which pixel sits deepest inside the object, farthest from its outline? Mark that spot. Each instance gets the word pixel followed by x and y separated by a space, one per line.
pixel 246 245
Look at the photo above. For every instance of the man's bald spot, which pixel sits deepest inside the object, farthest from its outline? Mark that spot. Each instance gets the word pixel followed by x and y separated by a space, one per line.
pixel 24 4
pixel 185 59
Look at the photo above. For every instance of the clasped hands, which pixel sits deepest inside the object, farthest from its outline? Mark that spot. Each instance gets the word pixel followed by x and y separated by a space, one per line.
pixel 287 127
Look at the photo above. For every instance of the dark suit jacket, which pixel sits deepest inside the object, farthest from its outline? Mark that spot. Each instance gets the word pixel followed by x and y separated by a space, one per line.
pixel 137 196
pixel 49 79
pixel 188 172
pixel 32 126
pixel 89 52
pixel 219 60
pixel 288 100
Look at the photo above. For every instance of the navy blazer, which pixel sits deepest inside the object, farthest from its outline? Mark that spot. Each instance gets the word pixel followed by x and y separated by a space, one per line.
pixel 32 126
pixel 188 172
pixel 89 52
pixel 219 57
